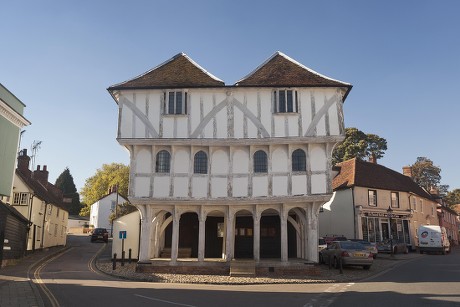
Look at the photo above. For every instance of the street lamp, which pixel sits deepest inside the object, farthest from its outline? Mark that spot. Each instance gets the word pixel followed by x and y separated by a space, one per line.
pixel 390 215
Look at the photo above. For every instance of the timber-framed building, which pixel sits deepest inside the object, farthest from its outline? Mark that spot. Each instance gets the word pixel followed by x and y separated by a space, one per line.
pixel 222 172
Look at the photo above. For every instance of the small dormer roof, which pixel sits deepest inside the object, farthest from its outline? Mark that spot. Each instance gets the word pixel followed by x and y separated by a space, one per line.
pixel 282 71
pixel 178 72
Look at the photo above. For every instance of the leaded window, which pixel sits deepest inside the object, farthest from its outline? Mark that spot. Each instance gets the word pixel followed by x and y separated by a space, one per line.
pixel 200 163
pixel 260 162
pixel 286 101
pixel 175 102
pixel 299 161
pixel 163 162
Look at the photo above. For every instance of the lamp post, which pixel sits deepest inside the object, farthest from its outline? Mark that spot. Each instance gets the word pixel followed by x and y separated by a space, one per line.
pixel 390 215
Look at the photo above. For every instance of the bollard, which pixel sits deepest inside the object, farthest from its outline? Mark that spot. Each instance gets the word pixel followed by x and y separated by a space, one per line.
pixel 129 256
pixel 123 258
pixel 114 261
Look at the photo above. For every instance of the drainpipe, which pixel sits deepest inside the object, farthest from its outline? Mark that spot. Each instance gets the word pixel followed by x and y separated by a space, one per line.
pixel 355 222
pixel 43 227
pixel 29 222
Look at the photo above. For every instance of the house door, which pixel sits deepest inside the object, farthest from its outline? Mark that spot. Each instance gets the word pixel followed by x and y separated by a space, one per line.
pixel 385 231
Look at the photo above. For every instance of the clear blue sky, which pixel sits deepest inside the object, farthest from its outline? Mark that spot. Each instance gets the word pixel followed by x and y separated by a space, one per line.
pixel 402 57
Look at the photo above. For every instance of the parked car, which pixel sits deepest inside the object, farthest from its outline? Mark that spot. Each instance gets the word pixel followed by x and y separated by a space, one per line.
pixel 321 244
pixel 398 246
pixel 100 234
pixel 370 246
pixel 331 238
pixel 349 252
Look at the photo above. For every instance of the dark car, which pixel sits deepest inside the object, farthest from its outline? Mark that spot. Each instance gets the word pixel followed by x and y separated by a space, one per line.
pixel 398 246
pixel 100 234
pixel 350 253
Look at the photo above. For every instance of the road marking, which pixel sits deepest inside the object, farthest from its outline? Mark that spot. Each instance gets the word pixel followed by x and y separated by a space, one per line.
pixel 329 295
pixel 163 301
pixel 91 262
pixel 37 279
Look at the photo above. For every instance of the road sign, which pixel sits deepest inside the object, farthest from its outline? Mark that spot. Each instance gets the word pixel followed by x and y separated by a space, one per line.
pixel 122 234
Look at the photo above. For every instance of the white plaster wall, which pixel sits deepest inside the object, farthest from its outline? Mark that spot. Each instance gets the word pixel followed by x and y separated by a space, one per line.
pixel 218 187
pixel 181 126
pixel 279 158
pixel 305 108
pixel 180 186
pixel 239 128
pixel 154 98
pixel 130 224
pixel 220 162
pixel 280 185
pixel 200 186
pixel 299 185
pixel 181 160
pixel 240 187
pixel 259 186
pixel 240 160
pixel 160 186
pixel 318 184
pixel 318 159
pixel 142 186
pixel 143 159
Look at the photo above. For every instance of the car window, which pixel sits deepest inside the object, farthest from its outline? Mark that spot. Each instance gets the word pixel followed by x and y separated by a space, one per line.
pixel 351 245
pixel 321 241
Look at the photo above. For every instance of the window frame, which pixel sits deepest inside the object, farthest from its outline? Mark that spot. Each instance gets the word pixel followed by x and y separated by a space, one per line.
pixel 200 162
pixel 374 203
pixel 300 165
pixel 165 166
pixel 260 163
pixel 171 106
pixel 20 198
pixel 290 105
pixel 397 200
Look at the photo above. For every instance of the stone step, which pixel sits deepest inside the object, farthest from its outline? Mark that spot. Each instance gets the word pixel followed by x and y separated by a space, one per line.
pixel 242 268
pixel 183 252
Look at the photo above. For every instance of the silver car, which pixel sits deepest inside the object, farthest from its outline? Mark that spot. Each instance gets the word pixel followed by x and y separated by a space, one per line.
pixel 350 253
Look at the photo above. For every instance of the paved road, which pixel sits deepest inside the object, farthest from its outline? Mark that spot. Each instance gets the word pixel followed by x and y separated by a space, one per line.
pixel 70 280
pixel 432 280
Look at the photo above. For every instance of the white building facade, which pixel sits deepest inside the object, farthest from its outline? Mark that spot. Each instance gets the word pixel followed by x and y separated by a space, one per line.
pixel 230 172
pixel 101 210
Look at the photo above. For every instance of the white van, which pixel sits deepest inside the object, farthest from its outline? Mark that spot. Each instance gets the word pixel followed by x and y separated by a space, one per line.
pixel 433 238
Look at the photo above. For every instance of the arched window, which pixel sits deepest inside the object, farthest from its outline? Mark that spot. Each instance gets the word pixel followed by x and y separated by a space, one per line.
pixel 163 162
pixel 298 161
pixel 260 162
pixel 200 164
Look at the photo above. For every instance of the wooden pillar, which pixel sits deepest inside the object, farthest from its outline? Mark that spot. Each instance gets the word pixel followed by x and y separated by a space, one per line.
pixel 175 238
pixel 201 237
pixel 256 237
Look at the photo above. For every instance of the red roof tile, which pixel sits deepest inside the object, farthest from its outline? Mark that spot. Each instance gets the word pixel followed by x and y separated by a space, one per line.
pixel 355 172
pixel 178 72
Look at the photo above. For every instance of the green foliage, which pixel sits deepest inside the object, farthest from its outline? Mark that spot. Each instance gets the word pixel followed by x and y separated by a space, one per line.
pixel 66 184
pixel 453 197
pixel 122 209
pixel 98 185
pixel 358 144
pixel 426 174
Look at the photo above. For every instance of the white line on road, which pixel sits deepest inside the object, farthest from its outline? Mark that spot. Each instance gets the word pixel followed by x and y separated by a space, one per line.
pixel 159 300
pixel 329 295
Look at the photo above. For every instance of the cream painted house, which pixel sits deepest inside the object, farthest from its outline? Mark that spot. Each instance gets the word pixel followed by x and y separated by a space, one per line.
pixel 363 193
pixel 41 203
pixel 230 171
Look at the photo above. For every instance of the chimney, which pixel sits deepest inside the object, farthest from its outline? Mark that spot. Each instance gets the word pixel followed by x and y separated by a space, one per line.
pixel 23 161
pixel 41 175
pixel 373 159
pixel 407 171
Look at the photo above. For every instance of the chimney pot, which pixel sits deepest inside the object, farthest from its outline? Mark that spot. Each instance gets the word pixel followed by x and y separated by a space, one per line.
pixel 44 168
pixel 38 167
pixel 373 159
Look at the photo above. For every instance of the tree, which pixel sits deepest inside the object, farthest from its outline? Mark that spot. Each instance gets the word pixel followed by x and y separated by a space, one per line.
pixel 358 144
pixel 426 174
pixel 66 184
pixel 98 185
pixel 122 209
pixel 453 197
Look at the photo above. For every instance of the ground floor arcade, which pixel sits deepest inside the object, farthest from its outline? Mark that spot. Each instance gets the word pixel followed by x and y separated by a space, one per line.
pixel 206 232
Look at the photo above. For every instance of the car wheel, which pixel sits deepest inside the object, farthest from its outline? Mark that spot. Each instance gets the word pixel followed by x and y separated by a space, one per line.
pixel 366 267
pixel 320 259
pixel 374 256
pixel 395 250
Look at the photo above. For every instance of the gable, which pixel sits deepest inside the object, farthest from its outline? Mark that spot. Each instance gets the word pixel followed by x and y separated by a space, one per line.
pixel 178 72
pixel 282 71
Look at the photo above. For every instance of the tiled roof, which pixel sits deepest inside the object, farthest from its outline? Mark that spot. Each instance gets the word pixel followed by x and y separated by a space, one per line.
pixel 178 72
pixel 355 172
pixel 45 191
pixel 13 211
pixel 282 71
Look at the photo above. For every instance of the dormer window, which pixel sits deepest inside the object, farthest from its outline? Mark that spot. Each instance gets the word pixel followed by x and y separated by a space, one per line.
pixel 286 101
pixel 175 102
